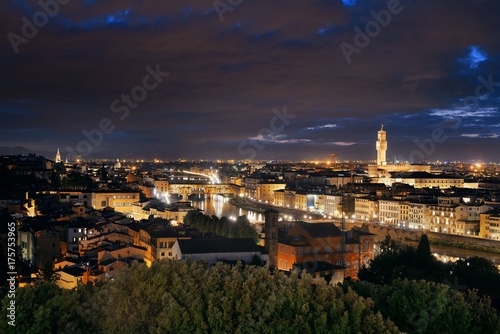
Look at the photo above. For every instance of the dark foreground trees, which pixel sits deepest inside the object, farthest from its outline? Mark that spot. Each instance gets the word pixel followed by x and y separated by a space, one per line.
pixel 187 297
pixel 405 262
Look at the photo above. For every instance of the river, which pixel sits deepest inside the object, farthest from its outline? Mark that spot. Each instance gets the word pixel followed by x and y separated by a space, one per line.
pixel 220 206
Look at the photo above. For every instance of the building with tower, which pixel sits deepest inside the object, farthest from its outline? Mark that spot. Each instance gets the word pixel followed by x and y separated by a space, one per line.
pixel 381 171
pixel 381 146
pixel 271 235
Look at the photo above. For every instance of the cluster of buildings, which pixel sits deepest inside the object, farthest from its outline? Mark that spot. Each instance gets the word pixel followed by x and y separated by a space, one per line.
pixel 93 245
pixel 97 217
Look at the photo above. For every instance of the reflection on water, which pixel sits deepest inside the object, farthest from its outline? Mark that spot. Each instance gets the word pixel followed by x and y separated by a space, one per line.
pixel 220 206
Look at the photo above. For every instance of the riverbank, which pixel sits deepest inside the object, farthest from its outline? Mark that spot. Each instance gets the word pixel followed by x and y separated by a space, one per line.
pixel 405 236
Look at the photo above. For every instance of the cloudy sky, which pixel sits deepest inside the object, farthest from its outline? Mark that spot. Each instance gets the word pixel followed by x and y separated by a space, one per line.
pixel 271 79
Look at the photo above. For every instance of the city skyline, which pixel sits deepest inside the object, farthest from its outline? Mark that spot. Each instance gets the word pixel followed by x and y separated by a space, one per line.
pixel 246 80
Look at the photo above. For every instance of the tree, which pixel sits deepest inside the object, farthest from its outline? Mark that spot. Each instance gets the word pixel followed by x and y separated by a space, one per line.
pixel 423 256
pixel 477 273
pixel 389 246
pixel 47 273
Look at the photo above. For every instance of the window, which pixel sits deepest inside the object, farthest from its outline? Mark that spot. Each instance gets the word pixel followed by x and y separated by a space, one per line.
pixel 300 252
pixel 281 263
pixel 293 251
pixel 162 254
pixel 103 203
pixel 315 250
pixel 356 265
pixel 356 249
pixel 286 249
pixel 328 249
pixel 286 264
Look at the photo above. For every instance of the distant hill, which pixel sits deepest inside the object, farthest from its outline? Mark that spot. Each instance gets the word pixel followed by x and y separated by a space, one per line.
pixel 7 150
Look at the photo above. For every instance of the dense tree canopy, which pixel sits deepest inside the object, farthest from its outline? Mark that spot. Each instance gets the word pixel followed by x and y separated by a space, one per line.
pixel 190 297
pixel 241 228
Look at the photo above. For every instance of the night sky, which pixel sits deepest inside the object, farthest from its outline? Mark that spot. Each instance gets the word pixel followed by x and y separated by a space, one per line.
pixel 252 79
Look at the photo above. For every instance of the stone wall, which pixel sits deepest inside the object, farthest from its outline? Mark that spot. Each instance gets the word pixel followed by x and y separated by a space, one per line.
pixel 405 235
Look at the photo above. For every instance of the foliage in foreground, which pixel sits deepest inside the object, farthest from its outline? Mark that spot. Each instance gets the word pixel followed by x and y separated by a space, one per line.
pixel 188 297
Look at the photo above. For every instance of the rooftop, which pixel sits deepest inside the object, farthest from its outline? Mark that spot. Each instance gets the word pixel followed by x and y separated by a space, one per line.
pixel 202 246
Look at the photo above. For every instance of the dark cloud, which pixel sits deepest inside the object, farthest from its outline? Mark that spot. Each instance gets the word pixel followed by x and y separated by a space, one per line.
pixel 226 76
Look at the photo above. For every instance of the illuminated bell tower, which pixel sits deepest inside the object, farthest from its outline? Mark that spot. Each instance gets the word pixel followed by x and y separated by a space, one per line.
pixel 58 156
pixel 381 147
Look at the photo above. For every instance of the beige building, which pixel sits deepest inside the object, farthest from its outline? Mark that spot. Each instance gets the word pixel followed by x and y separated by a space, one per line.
pixel 366 208
pixel 130 251
pixel 489 225
pixel 121 201
pixel 425 180
pixel 452 217
pixel 301 201
pixel 418 216
pixel 142 211
pixel 279 197
pixel 393 212
pixel 333 205
pixel 69 277
pixel 265 191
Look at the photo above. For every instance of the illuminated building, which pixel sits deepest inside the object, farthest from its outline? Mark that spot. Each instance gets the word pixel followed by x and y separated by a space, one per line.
pixel 380 171
pixel 489 225
pixel 58 157
pixel 381 146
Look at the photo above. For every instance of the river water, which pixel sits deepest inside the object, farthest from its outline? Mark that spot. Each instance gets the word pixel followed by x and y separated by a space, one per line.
pixel 220 206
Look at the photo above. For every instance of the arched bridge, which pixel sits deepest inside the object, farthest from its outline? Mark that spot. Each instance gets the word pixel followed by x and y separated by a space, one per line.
pixel 208 190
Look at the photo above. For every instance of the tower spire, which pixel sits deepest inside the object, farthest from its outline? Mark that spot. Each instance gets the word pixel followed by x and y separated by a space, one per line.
pixel 381 147
pixel 58 156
